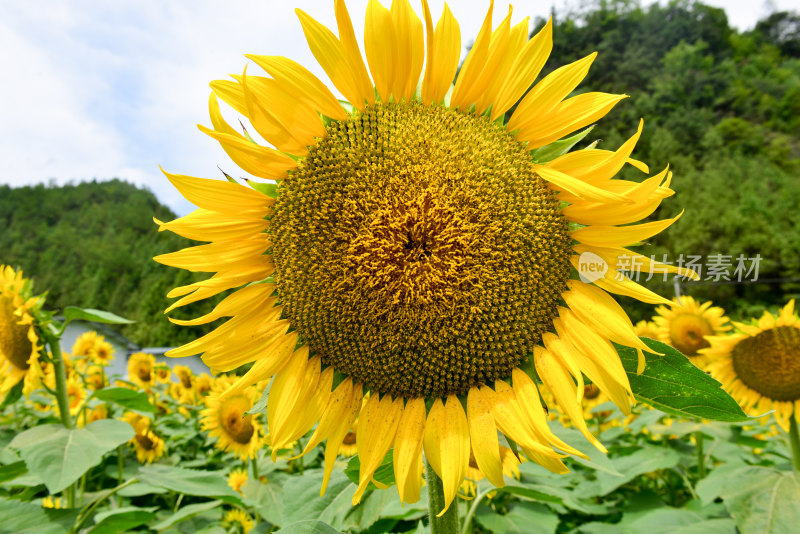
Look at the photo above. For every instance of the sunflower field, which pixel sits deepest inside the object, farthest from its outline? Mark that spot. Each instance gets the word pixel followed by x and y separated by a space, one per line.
pixel 414 313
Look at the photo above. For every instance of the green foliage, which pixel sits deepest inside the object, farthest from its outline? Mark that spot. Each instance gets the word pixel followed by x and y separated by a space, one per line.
pixel 59 456
pixel 127 398
pixel 676 386
pixel 92 244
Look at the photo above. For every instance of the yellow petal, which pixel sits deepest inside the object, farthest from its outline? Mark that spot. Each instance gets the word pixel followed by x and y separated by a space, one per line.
pixel 285 390
pixel 559 180
pixel 567 117
pixel 276 357
pixel 444 49
pixel 470 84
pixel 208 258
pixel 527 66
pixel 549 92
pixel 336 59
pixel 220 196
pixel 379 47
pixel 498 61
pixel 483 437
pixel 596 166
pixel 602 313
pixel 410 47
pixel 353 54
pixel 239 302
pixel 446 445
pixel 510 420
pixel 375 434
pixel 408 449
pixel 301 82
pixel 612 236
pixel 560 384
pixel 206 225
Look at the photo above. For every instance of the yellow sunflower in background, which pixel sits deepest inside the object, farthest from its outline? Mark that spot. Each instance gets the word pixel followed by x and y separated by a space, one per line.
pixel 238 518
pixel 226 419
pixel 646 329
pixel 76 393
pixel 19 343
pixel 51 502
pixel 348 447
pixel 685 324
pixel 93 347
pixel 162 374
pixel 95 376
pixel 203 383
pixel 417 245
pixel 140 369
pixel 237 478
pixel 759 365
pixel 148 445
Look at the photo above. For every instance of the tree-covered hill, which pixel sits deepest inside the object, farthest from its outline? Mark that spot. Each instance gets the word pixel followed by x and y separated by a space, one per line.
pixel 723 109
pixel 92 245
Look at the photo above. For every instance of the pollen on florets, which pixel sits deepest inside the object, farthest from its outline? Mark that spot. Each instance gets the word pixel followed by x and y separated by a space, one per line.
pixel 417 251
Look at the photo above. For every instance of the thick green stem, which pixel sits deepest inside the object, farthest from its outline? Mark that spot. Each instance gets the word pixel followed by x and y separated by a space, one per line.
pixel 61 377
pixel 254 465
pixel 447 523
pixel 794 437
pixel 701 457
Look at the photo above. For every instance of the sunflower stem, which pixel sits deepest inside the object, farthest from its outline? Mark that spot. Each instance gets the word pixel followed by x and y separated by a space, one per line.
pixel 701 457
pixel 60 375
pixel 471 512
pixel 254 465
pixel 447 523
pixel 794 437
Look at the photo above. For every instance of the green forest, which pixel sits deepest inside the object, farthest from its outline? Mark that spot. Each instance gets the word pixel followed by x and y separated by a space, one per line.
pixel 721 107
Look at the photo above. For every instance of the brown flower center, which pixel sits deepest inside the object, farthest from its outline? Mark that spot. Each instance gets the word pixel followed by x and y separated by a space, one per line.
pixel 687 331
pixel 14 343
pixel 417 251
pixel 769 363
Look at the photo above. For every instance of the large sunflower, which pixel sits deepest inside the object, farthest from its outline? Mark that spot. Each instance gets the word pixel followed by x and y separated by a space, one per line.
pixel 759 365
pixel 19 343
pixel 686 324
pixel 417 245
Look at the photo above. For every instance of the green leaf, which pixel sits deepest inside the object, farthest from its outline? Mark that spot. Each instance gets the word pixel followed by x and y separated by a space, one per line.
pixel 190 481
pixel 267 498
pixel 127 398
pixel 268 189
pixel 27 518
pixel 675 386
pixel 714 484
pixel 302 501
pixel 185 513
pixel 522 518
pixel 647 459
pixel 122 519
pixel 72 313
pixel 559 148
pixel 764 500
pixel 13 395
pixel 12 471
pixel 60 456
pixel 383 474
pixel 309 527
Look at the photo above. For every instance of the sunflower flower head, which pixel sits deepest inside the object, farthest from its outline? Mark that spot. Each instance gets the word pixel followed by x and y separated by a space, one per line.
pixel 686 324
pixel 237 478
pixel 140 370
pixel 226 418
pixel 415 244
pixel 759 364
pixel 238 519
pixel 19 343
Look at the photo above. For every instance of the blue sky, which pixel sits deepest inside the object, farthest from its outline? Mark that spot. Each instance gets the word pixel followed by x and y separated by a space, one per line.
pixel 97 89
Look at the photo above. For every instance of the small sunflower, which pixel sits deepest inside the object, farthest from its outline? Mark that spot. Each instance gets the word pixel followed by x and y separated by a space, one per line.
pixel 94 348
pixel 140 369
pixel 686 324
pixel 19 343
pixel 759 365
pixel 76 393
pixel 237 478
pixel 474 473
pixel 417 245
pixel 95 414
pixel 348 447
pixel 95 376
pixel 226 419
pixel 149 447
pixel 238 518
pixel 162 374
pixel 184 376
pixel 203 383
